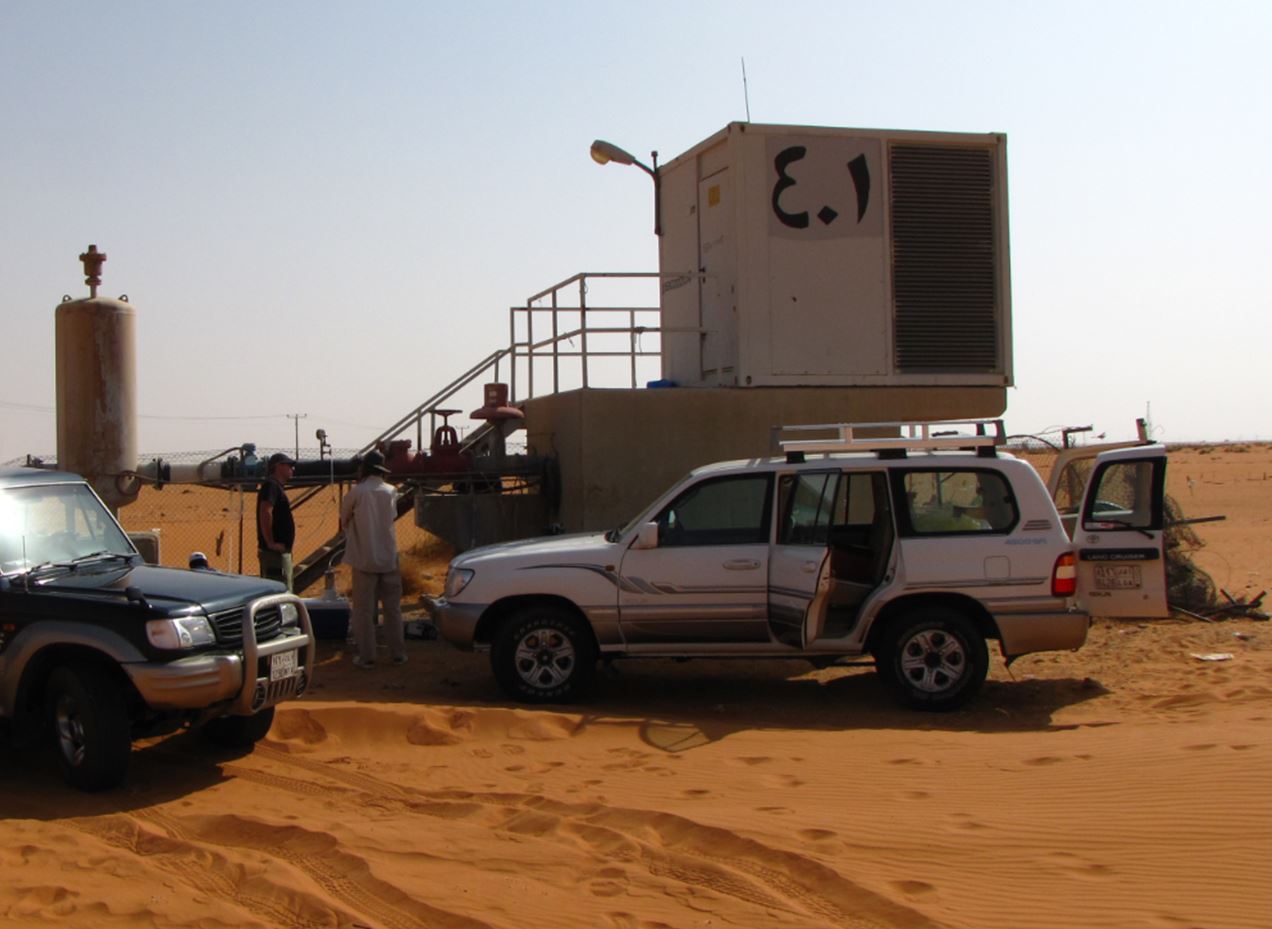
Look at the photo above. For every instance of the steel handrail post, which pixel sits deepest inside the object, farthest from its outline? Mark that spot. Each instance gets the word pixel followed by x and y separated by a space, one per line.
pixel 556 345
pixel 583 326
pixel 529 351
pixel 512 342
pixel 631 322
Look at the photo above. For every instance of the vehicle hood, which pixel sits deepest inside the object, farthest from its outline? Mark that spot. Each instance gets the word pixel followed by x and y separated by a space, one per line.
pixel 585 545
pixel 163 588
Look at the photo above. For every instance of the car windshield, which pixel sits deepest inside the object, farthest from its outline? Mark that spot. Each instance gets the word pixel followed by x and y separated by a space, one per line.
pixel 56 524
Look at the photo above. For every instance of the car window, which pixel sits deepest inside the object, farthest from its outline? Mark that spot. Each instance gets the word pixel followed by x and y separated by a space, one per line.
pixel 820 508
pixel 1122 497
pixel 722 511
pixel 949 502
pixel 807 504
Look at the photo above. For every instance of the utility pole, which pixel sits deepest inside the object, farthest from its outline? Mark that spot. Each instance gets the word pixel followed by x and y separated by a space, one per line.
pixel 297 417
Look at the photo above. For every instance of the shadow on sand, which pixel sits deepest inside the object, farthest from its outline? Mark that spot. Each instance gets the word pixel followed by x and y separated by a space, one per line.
pixel 676 706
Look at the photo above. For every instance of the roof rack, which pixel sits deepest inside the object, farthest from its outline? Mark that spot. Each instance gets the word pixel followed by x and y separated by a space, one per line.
pixel 898 438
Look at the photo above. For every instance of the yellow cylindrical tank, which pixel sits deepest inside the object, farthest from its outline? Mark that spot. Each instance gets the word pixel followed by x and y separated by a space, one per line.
pixel 97 394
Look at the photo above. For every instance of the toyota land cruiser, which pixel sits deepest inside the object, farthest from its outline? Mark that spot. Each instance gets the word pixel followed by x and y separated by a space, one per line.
pixel 914 549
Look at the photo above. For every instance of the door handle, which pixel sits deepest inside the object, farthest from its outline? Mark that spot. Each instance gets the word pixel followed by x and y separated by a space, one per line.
pixel 741 564
pixel 810 567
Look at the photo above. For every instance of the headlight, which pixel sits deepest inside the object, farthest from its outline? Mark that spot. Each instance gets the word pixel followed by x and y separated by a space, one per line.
pixel 289 614
pixel 182 632
pixel 456 580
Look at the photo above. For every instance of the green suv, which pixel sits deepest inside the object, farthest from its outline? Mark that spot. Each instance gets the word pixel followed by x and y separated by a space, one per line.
pixel 98 648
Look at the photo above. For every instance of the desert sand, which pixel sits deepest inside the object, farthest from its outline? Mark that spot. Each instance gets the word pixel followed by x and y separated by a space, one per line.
pixel 1125 785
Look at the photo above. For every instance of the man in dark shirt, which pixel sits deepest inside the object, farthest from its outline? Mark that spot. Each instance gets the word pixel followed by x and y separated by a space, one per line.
pixel 275 529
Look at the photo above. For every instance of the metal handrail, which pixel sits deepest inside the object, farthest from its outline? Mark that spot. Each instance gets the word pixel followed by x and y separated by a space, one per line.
pixel 526 350
pixel 416 416
pixel 529 349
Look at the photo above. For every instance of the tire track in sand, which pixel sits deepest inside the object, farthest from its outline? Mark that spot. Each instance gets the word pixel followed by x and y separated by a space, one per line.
pixel 203 871
pixel 317 856
pixel 706 858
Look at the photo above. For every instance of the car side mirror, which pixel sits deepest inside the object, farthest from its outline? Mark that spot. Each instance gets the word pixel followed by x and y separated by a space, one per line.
pixel 647 537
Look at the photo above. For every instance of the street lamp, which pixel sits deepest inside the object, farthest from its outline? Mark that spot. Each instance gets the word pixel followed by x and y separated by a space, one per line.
pixel 604 152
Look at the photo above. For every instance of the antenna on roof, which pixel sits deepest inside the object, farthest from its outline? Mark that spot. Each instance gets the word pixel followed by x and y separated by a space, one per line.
pixel 745 96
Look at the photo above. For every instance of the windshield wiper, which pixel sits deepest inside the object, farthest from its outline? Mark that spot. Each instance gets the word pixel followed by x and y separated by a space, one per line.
pixel 47 566
pixel 43 566
pixel 104 553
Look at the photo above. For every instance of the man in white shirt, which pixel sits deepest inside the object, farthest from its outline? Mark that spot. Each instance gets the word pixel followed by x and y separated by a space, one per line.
pixel 367 516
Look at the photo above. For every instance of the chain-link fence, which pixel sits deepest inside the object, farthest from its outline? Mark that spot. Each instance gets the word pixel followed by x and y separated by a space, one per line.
pixel 177 519
pixel 220 522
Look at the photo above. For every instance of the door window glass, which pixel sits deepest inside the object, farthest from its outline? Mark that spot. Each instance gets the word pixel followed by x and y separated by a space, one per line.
pixel 859 505
pixel 807 503
pixel 725 511
pixel 1122 497
pixel 946 502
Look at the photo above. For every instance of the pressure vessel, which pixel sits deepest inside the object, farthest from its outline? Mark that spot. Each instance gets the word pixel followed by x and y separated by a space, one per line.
pixel 96 359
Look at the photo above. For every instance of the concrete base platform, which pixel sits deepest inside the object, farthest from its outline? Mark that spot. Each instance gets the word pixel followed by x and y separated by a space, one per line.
pixel 617 449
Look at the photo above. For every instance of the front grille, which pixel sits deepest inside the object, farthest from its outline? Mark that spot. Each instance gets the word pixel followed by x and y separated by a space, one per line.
pixel 268 693
pixel 229 624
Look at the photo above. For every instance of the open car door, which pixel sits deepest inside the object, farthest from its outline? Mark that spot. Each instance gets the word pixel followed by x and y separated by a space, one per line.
pixel 1119 534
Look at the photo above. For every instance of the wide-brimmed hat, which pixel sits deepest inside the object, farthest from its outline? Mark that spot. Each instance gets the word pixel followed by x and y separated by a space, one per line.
pixel 374 461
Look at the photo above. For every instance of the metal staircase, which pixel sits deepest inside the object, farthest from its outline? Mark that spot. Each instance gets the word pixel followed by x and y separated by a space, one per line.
pixel 313 566
pixel 580 336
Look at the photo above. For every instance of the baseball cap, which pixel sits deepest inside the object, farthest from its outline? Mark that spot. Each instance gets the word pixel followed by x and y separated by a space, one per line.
pixel 281 458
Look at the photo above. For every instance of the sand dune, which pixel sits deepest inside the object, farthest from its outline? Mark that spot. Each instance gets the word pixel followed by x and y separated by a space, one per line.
pixel 1123 786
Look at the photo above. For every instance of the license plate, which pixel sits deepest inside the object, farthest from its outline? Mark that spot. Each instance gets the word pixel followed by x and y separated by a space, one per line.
pixel 1117 576
pixel 282 665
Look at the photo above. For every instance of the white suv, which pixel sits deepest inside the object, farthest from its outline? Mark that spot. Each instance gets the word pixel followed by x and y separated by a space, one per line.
pixel 915 550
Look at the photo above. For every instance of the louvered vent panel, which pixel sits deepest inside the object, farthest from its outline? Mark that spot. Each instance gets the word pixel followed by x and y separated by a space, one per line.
pixel 943 282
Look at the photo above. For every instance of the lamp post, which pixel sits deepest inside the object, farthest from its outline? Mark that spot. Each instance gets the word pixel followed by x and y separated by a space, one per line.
pixel 605 152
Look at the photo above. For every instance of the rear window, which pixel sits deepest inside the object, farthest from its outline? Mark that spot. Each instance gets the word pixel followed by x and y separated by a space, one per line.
pixel 1124 496
pixel 955 502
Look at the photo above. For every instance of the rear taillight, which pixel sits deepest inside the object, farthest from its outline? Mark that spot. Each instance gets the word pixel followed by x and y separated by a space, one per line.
pixel 1064 576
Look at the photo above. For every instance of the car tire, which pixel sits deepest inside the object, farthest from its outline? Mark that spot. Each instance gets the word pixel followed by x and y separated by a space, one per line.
pixel 543 655
pixel 933 659
pixel 239 731
pixel 90 726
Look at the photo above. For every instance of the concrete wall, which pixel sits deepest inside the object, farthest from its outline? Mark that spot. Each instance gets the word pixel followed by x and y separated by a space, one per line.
pixel 617 449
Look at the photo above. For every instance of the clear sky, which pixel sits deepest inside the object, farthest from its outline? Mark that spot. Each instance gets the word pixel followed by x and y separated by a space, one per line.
pixel 327 208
